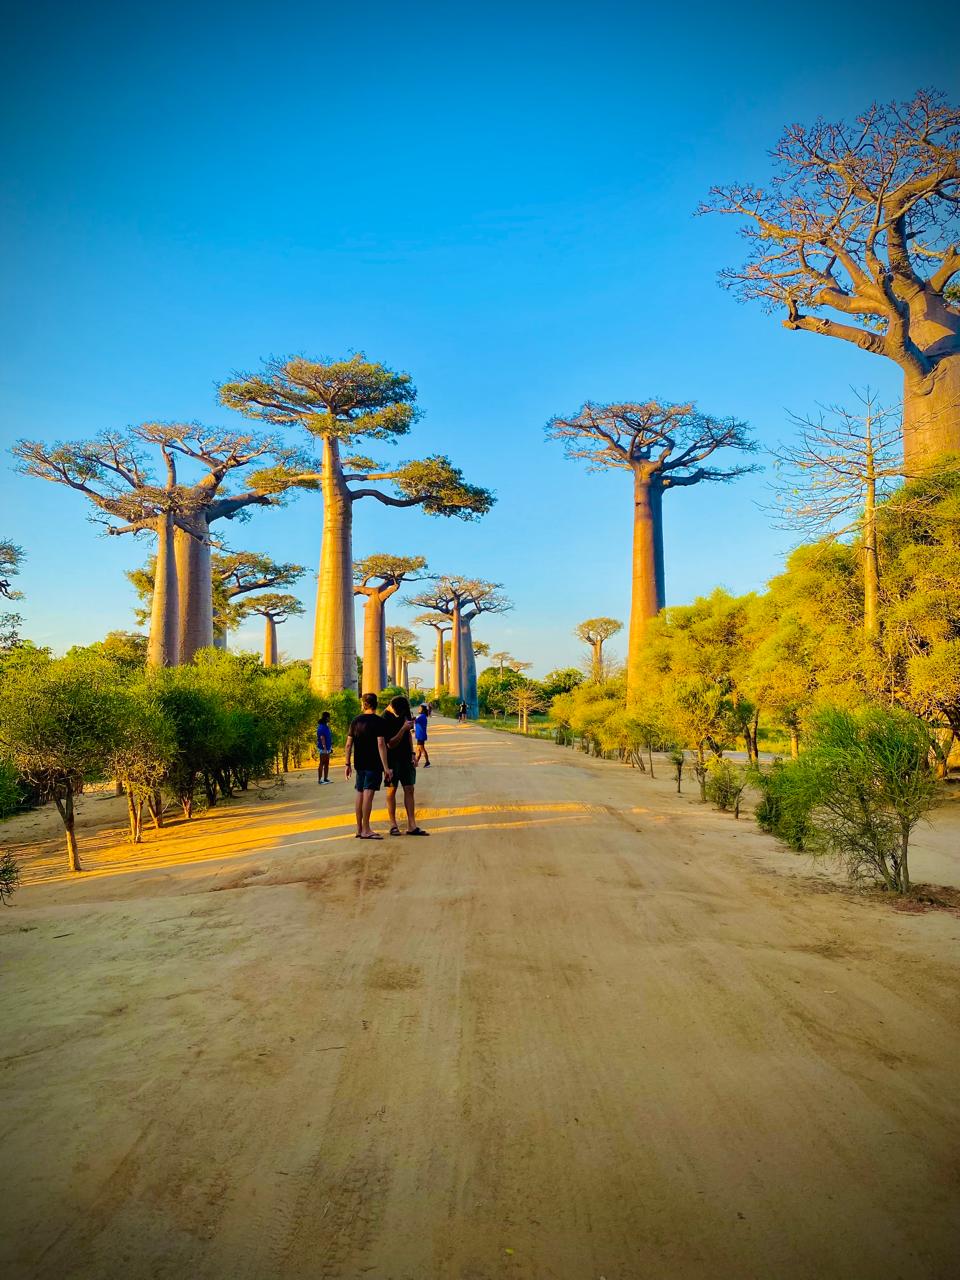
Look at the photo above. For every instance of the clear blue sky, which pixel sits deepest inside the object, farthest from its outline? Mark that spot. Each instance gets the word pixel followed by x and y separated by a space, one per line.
pixel 497 199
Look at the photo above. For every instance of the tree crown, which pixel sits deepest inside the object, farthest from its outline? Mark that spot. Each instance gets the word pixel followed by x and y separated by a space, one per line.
pixel 671 441
pixel 338 399
pixel 594 629
pixel 860 219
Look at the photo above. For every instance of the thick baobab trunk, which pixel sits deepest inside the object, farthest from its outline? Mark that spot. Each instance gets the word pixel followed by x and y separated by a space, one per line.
pixel 374 645
pixel 468 664
pixel 194 587
pixel 270 642
pixel 164 647
pixel 597 661
pixel 647 594
pixel 404 679
pixel 439 666
pixel 392 673
pixel 931 404
pixel 455 673
pixel 334 664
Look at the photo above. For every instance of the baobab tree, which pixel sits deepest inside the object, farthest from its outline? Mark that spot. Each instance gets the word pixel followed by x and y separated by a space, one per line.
pixel 862 221
pixel 663 446
pixel 594 632
pixel 274 607
pixel 114 474
pixel 462 600
pixel 377 578
pixel 828 483
pixel 234 574
pixel 340 403
pixel 441 626
pixel 396 637
pixel 406 651
pixel 502 658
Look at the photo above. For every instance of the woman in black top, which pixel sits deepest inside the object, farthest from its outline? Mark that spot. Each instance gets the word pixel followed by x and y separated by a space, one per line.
pixel 398 735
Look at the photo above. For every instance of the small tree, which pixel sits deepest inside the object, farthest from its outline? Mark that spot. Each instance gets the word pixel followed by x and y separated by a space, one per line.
pixel 867 781
pixel 9 876
pixel 829 483
pixel 58 725
pixel 141 753
pixel 594 633
pixel 526 698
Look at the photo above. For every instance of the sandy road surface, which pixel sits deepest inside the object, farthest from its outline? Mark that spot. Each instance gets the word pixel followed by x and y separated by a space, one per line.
pixel 588 1029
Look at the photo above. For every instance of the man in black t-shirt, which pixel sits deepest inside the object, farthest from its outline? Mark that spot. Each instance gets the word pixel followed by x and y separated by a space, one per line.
pixel 367 751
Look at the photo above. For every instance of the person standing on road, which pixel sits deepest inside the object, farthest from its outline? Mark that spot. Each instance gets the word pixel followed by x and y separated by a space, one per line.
pixel 399 726
pixel 367 750
pixel 420 736
pixel 462 712
pixel 324 747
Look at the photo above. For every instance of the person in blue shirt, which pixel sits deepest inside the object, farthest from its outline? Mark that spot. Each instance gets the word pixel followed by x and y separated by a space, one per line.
pixel 420 734
pixel 324 747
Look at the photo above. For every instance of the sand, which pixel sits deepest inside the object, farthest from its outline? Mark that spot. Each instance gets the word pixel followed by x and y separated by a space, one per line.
pixel 588 1029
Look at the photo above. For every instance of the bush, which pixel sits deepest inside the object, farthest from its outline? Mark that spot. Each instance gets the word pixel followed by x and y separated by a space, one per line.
pixel 857 792
pixel 344 708
pixel 14 792
pixel 447 705
pixel 785 805
pixel 725 785
pixel 9 876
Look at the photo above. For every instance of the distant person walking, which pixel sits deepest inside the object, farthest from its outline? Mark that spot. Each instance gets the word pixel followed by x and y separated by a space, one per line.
pixel 462 712
pixel 367 750
pixel 324 747
pixel 420 736
pixel 398 733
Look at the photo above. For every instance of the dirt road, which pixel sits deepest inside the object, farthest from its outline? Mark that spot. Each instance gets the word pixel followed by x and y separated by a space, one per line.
pixel 588 1029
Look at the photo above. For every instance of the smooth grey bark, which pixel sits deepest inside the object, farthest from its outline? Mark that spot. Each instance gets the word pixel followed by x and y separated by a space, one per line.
pixel 163 649
pixel 334 663
pixel 194 587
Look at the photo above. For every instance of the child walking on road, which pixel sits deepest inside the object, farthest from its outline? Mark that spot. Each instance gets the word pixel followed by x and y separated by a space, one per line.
pixel 324 747
pixel 420 735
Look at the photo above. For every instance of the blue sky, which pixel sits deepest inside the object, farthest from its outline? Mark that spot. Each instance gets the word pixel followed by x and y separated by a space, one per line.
pixel 497 199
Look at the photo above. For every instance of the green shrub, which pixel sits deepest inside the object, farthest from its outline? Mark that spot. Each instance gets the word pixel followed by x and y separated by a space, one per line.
pixel 9 876
pixel 725 785
pixel 344 708
pixel 14 793
pixel 448 705
pixel 856 793
pixel 786 803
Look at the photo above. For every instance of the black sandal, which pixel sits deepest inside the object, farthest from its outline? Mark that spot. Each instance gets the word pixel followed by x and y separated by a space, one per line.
pixel 395 831
pixel 417 831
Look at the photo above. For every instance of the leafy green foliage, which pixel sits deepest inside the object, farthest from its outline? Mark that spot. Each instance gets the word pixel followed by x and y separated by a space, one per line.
pixel 9 876
pixel 339 399
pixel 725 785
pixel 861 786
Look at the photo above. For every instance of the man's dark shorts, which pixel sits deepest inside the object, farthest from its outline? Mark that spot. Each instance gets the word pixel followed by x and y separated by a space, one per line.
pixel 368 780
pixel 404 775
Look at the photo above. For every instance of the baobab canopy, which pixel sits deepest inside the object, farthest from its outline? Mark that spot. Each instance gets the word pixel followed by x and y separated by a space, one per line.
pixel 861 220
